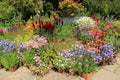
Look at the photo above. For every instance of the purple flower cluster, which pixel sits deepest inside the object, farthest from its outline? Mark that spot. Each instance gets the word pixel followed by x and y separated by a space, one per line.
pixel 74 52
pixel 7 46
pixel 21 48
pixel 107 52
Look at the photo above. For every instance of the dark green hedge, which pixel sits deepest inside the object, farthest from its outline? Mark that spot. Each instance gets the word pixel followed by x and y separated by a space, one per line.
pixel 107 8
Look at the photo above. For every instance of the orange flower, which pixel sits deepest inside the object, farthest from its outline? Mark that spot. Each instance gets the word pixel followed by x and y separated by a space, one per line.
pixel 56 40
pixel 118 27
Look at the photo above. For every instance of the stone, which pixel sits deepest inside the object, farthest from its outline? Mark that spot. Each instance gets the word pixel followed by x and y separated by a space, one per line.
pixel 117 72
pixel 21 74
pixel 111 68
pixel 118 60
pixel 103 74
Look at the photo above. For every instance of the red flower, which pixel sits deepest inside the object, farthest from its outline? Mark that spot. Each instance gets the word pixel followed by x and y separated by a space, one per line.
pixel 48 26
pixel 94 16
pixel 56 40
pixel 48 39
pixel 118 27
pixel 1 31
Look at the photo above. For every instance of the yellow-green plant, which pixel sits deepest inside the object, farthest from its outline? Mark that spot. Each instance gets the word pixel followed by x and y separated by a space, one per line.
pixel 70 8
pixel 9 60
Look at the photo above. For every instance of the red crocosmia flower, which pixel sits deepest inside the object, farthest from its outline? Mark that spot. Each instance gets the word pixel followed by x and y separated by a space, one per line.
pixel 1 31
pixel 56 40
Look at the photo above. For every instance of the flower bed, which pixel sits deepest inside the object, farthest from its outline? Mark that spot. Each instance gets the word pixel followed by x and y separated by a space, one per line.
pixel 61 46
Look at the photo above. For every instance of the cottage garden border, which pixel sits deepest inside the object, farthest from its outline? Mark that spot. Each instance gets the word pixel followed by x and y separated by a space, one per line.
pixel 40 47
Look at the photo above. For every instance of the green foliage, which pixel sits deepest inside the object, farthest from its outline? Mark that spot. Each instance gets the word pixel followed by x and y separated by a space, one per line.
pixel 48 54
pixel 72 65
pixel 9 60
pixel 59 62
pixel 86 64
pixel 7 12
pixel 54 3
pixel 69 8
pixel 28 57
pixel 42 67
pixel 63 31
pixel 104 7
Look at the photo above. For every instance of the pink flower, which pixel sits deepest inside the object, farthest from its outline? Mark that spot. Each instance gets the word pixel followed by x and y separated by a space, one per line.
pixel 37 42
pixel 96 23
pixel 86 60
pixel 81 56
pixel 37 58
pixel 86 65
pixel 94 59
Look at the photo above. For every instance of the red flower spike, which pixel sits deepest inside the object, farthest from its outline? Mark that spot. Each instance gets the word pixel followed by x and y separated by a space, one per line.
pixel 1 31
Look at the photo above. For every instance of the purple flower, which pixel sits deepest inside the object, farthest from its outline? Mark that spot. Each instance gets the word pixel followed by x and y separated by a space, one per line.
pixel 107 51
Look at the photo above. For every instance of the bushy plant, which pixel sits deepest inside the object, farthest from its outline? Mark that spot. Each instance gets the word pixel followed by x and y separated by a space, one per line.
pixel 48 54
pixel 80 21
pixel 28 57
pixel 41 68
pixel 59 62
pixel 37 42
pixel 64 31
pixel 69 8
pixel 82 26
pixel 86 63
pixel 7 11
pixel 9 60
pixel 105 7
pixel 106 56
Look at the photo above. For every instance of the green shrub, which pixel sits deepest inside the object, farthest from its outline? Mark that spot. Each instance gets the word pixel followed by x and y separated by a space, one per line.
pixel 28 58
pixel 7 12
pixel 48 54
pixel 104 7
pixel 69 8
pixel 9 60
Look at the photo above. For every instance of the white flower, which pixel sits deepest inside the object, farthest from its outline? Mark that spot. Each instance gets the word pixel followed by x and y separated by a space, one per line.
pixel 84 21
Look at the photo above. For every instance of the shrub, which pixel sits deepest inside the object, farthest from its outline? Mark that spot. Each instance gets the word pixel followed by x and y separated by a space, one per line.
pixel 9 60
pixel 104 7
pixel 37 42
pixel 28 57
pixel 69 8
pixel 7 12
